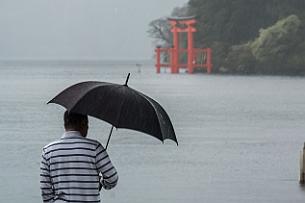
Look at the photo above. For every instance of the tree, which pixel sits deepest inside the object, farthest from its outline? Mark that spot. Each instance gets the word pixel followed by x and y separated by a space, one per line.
pixel 159 29
pixel 274 42
pixel 276 46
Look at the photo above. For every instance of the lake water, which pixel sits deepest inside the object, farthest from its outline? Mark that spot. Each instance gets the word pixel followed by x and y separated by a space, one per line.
pixel 239 137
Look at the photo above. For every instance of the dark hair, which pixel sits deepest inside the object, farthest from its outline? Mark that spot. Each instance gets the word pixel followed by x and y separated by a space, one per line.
pixel 74 119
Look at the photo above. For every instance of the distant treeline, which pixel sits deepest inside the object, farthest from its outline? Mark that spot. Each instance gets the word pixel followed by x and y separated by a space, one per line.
pixel 247 36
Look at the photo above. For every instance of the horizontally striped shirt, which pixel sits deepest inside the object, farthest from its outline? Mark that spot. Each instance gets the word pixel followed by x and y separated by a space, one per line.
pixel 70 169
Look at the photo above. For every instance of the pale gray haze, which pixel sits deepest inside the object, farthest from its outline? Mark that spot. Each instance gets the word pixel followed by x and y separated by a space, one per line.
pixel 79 29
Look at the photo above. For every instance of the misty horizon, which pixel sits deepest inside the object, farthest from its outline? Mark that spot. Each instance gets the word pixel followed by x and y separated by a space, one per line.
pixel 79 30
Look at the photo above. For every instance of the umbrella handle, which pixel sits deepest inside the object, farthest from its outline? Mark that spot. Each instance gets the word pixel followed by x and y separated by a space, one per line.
pixel 109 137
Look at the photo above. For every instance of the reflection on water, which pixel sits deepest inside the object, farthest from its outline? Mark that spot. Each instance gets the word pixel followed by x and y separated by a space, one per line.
pixel 239 137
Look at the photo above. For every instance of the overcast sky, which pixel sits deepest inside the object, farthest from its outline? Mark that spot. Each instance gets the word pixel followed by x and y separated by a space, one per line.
pixel 79 29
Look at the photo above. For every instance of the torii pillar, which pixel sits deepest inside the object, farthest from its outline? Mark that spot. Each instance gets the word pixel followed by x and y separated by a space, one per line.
pixel 175 48
pixel 175 29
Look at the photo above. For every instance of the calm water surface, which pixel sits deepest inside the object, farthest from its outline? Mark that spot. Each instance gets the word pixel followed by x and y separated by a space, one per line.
pixel 239 137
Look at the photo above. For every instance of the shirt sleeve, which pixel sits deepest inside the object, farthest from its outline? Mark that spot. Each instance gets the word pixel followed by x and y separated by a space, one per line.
pixel 46 188
pixel 105 167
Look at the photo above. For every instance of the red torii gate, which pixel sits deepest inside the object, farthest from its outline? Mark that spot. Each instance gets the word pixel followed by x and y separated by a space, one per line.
pixel 183 25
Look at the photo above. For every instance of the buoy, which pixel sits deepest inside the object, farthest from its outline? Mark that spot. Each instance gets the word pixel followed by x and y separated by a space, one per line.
pixel 302 166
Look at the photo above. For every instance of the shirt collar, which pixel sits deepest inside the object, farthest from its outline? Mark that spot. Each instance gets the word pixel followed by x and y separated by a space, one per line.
pixel 71 135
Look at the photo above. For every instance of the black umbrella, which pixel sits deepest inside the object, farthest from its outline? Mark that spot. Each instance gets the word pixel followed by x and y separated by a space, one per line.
pixel 119 105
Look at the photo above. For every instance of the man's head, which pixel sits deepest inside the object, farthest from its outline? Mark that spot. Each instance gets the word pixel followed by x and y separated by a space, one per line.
pixel 77 122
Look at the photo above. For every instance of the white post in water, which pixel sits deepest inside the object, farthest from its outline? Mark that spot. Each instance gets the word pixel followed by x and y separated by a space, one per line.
pixel 302 166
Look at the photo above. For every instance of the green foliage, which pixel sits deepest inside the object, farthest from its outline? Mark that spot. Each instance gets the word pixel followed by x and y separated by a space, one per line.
pixel 238 21
pixel 279 48
pixel 240 60
pixel 274 43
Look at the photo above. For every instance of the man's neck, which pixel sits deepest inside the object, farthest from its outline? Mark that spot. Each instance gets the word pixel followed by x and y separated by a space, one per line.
pixel 71 129
pixel 75 130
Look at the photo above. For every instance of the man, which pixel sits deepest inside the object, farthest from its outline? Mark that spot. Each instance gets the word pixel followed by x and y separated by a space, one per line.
pixel 70 167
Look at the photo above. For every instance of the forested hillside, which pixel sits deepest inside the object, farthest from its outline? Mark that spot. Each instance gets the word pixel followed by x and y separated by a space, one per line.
pixel 247 36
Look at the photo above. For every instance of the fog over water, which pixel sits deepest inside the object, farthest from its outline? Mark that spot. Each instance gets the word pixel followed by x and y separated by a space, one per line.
pixel 79 29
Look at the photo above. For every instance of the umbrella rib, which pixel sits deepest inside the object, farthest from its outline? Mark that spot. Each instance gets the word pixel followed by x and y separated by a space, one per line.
pixel 147 99
pixel 144 96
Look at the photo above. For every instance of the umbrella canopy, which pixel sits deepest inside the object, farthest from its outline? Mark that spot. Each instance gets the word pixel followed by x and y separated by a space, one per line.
pixel 119 105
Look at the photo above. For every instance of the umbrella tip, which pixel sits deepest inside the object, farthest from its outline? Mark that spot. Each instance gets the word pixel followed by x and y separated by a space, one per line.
pixel 127 79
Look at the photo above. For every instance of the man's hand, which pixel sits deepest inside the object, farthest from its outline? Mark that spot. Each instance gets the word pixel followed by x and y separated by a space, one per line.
pixel 100 183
